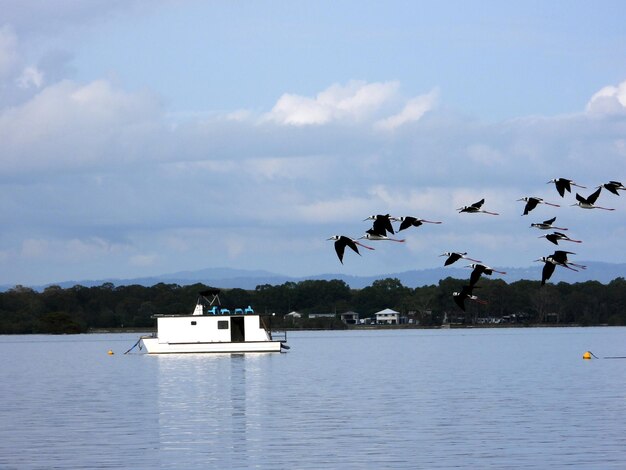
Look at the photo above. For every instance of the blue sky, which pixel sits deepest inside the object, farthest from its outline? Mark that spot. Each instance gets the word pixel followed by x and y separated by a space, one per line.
pixel 148 137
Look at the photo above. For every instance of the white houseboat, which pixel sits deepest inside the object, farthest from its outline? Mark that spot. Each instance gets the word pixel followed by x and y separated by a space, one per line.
pixel 212 328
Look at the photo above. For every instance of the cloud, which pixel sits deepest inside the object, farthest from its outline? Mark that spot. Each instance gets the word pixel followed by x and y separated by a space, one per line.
pixel 31 77
pixel 9 57
pixel 412 111
pixel 96 177
pixel 353 102
pixel 143 260
pixel 485 155
pixel 22 78
pixel 68 125
pixel 34 248
pixel 608 100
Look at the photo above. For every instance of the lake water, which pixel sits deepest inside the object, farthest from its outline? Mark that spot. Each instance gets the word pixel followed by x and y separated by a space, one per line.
pixel 472 398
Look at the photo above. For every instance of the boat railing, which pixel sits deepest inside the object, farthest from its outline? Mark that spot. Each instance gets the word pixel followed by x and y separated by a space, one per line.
pixel 274 334
pixel 278 335
pixel 218 310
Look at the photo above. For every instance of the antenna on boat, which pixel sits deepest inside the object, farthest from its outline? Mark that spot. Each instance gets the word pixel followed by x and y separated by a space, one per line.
pixel 211 292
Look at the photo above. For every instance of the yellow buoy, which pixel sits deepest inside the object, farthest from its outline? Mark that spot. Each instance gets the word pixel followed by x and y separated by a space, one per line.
pixel 110 353
pixel 587 355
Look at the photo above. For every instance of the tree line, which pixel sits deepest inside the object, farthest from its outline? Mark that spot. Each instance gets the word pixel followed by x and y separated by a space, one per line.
pixel 80 309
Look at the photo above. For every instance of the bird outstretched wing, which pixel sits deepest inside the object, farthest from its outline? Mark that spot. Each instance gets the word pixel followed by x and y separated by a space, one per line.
pixel 594 196
pixel 547 271
pixel 477 205
pixel 409 222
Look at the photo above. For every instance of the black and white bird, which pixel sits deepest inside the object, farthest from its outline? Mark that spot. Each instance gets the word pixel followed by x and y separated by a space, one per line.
pixel 476 208
pixel 480 269
pixel 466 294
pixel 555 237
pixel 382 224
pixel 341 242
pixel 371 234
pixel 590 201
pixel 547 225
pixel 559 258
pixel 454 256
pixel 548 268
pixel 563 184
pixel 532 202
pixel 408 221
pixel 613 187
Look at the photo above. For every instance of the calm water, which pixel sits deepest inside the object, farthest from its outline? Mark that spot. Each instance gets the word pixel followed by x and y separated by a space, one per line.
pixel 505 398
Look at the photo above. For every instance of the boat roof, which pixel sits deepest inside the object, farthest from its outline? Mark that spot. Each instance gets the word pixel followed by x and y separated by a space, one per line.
pixel 210 291
pixel 218 315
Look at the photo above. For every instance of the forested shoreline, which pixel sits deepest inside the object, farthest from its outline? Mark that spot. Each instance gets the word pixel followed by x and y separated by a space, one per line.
pixel 80 309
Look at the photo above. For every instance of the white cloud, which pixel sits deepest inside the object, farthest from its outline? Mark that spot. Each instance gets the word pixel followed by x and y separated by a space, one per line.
pixel 239 115
pixel 608 100
pixel 353 102
pixel 412 111
pixel 31 76
pixel 71 125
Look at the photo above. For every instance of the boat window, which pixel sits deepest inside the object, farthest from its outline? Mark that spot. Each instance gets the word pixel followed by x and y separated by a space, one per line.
pixel 193 323
pixel 222 325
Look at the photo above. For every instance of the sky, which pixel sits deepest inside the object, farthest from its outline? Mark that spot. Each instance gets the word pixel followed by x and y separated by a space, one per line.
pixel 144 137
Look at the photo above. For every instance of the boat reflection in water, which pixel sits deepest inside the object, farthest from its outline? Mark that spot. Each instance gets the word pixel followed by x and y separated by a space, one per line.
pixel 213 408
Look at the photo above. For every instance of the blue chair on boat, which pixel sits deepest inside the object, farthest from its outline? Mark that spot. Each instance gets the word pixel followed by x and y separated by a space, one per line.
pixel 249 310
pixel 225 311
pixel 212 311
pixel 238 311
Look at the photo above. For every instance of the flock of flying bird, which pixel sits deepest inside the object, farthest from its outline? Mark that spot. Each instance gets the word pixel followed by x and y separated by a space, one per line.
pixel 382 226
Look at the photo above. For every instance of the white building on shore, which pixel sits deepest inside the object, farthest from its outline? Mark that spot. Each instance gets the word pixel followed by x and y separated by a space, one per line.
pixel 387 317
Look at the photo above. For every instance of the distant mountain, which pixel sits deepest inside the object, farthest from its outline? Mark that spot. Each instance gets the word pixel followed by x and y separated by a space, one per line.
pixel 596 271
pixel 228 278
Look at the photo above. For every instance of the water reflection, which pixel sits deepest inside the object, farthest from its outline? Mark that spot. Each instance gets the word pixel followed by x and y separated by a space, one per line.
pixel 203 409
pixel 512 398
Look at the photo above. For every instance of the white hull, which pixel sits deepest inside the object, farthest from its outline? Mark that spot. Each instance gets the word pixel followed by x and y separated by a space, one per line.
pixel 152 346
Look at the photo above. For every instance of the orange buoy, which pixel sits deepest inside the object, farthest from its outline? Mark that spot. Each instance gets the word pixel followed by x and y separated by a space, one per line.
pixel 587 355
